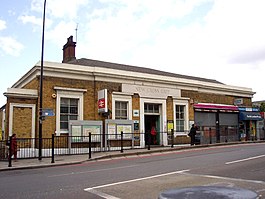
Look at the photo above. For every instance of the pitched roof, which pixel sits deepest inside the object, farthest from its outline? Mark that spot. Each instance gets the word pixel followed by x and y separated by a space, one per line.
pixel 96 63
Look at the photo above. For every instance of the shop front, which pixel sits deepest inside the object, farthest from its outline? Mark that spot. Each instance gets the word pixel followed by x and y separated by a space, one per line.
pixel 216 122
pixel 248 120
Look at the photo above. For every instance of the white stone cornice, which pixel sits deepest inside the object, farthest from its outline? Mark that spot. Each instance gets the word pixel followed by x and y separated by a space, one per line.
pixel 90 73
pixel 70 89
pixel 23 93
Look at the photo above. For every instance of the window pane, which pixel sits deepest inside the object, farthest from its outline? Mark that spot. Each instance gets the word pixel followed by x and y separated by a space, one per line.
pixel 73 110
pixel 64 101
pixel 117 105
pixel 68 111
pixel 64 109
pixel 123 105
pixel 124 113
pixel 121 111
pixel 73 102
pixel 180 117
pixel 151 108
pixel 64 118
pixel 63 125
pixel 73 117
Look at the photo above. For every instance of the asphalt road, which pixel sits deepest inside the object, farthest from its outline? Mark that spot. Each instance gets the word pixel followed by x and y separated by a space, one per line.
pixel 235 166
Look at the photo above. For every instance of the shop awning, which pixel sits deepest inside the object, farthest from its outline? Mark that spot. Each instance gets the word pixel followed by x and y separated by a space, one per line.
pixel 215 106
pixel 250 116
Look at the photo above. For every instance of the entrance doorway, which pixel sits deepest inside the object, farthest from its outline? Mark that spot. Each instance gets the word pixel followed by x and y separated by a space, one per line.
pixel 152 121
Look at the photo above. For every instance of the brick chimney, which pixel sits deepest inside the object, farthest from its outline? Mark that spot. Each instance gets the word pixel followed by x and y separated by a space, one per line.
pixel 69 50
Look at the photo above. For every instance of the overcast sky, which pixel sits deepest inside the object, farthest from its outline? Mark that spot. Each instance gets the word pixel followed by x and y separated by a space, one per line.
pixel 217 39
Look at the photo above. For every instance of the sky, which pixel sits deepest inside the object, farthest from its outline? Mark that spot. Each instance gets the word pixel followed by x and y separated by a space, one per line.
pixel 216 39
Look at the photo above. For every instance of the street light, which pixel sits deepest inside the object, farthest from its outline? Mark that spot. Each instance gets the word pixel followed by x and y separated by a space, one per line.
pixel 41 84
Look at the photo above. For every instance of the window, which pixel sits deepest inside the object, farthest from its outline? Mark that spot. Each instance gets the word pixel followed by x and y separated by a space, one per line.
pixel 151 108
pixel 68 111
pixel 121 110
pixel 180 118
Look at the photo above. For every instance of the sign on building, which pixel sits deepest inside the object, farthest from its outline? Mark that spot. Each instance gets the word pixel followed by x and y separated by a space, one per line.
pixel 103 101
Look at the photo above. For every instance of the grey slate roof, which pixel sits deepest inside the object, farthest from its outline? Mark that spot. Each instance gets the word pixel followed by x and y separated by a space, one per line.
pixel 96 63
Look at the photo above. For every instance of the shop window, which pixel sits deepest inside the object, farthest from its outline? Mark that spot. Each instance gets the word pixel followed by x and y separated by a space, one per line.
pixel 68 111
pixel 180 118
pixel 121 110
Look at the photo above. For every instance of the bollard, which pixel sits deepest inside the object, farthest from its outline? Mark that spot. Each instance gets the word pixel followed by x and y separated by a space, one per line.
pixel 149 139
pixel 172 138
pixel 121 141
pixel 52 148
pixel 89 145
pixel 210 135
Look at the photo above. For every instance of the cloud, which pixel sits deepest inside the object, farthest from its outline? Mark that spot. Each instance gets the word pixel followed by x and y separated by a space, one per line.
pixel 2 25
pixel 144 31
pixel 59 33
pixel 30 19
pixel 250 56
pixel 236 26
pixel 59 8
pixel 10 46
pixel 36 22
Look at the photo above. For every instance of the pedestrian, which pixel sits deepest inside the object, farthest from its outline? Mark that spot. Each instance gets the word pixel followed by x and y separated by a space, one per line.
pixel 13 146
pixel 153 134
pixel 192 134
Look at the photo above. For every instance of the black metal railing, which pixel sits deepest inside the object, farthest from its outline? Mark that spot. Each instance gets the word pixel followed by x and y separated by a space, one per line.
pixel 72 145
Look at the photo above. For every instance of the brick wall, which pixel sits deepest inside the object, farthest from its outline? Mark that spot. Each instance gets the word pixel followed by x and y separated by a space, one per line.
pixel 136 105
pixel 90 101
pixel 22 124
pixel 170 109
pixel 21 117
pixel 198 97
pixel 90 98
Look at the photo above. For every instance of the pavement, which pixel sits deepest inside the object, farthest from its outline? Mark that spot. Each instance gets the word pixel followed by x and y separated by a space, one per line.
pixel 60 160
pixel 95 156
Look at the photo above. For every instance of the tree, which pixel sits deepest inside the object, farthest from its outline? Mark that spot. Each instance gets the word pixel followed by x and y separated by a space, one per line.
pixel 262 107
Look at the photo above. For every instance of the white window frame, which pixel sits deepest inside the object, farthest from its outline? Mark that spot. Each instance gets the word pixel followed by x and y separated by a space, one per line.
pixel 184 103
pixel 122 98
pixel 73 94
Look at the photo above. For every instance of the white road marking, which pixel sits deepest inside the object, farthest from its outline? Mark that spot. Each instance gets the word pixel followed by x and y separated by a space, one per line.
pixel 226 178
pixel 103 195
pixel 246 159
pixel 134 180
pixel 91 171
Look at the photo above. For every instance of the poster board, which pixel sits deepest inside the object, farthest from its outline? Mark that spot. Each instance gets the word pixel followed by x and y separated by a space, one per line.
pixel 113 129
pixel 126 129
pixel 94 130
pixel 79 130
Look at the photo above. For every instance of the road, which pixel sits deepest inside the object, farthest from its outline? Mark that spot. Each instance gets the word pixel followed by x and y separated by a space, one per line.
pixel 143 176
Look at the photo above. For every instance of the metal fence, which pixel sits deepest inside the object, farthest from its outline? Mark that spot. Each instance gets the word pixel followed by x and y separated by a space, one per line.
pixel 71 145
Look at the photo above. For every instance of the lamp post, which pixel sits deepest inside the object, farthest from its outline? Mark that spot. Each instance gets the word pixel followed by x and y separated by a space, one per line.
pixel 41 85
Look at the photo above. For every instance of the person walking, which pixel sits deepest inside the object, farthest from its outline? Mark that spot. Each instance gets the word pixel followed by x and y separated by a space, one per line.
pixel 153 134
pixel 192 134
pixel 13 146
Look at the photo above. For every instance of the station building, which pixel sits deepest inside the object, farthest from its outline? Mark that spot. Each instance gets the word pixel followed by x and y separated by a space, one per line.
pixel 91 90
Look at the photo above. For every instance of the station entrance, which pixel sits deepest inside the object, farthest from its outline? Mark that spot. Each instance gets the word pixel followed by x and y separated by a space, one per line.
pixel 152 124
